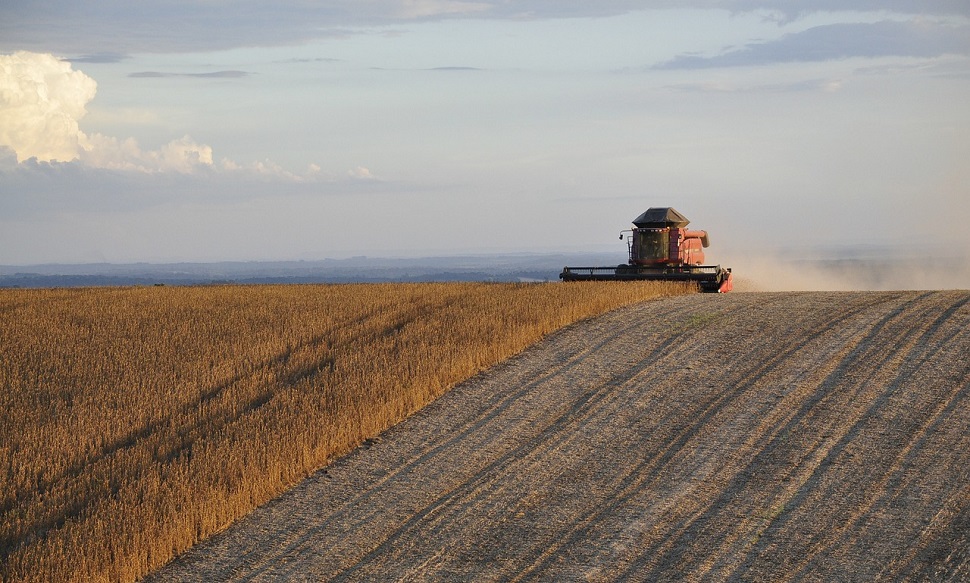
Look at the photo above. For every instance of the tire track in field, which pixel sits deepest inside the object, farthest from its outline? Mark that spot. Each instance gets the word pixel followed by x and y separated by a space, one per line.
pixel 361 506
pixel 744 437
pixel 560 433
pixel 838 397
pixel 643 475
pixel 531 453
pixel 919 346
pixel 858 349
pixel 478 423
pixel 829 323
pixel 907 422
pixel 801 460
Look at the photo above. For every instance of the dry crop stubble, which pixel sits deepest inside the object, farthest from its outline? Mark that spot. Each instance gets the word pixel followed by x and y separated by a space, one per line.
pixel 806 436
pixel 135 422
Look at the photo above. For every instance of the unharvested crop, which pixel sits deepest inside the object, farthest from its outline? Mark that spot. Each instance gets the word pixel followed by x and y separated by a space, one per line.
pixel 135 422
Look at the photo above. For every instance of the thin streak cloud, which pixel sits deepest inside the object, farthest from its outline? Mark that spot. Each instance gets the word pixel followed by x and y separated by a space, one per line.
pixel 841 41
pixel 209 75
pixel 810 86
pixel 99 58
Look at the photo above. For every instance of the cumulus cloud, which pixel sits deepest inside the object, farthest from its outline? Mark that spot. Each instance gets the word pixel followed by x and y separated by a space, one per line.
pixel 362 173
pixel 183 155
pixel 41 101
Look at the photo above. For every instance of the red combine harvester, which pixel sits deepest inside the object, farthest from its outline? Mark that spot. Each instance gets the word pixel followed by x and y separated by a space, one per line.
pixel 661 249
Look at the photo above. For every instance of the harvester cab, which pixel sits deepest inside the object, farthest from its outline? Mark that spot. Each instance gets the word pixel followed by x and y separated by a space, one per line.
pixel 661 248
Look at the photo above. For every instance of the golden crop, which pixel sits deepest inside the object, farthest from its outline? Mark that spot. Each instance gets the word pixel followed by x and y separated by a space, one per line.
pixel 135 422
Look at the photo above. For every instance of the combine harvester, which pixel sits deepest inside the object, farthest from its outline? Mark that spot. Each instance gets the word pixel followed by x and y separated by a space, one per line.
pixel 661 249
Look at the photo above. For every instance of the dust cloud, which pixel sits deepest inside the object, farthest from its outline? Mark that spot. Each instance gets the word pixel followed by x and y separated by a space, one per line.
pixel 854 274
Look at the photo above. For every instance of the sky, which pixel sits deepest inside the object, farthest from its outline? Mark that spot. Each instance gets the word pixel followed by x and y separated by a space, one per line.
pixel 240 130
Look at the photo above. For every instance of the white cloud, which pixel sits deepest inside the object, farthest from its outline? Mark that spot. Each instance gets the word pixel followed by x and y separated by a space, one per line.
pixel 361 173
pixel 41 101
pixel 183 155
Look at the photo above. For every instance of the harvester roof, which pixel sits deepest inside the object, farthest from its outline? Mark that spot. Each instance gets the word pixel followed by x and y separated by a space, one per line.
pixel 659 217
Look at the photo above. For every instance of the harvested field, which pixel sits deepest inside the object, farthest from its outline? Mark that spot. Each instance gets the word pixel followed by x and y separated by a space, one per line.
pixel 764 437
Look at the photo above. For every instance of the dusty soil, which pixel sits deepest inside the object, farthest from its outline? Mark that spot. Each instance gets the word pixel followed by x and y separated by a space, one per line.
pixel 747 437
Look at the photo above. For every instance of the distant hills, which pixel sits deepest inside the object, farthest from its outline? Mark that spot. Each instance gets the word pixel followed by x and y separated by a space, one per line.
pixel 852 268
pixel 506 267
